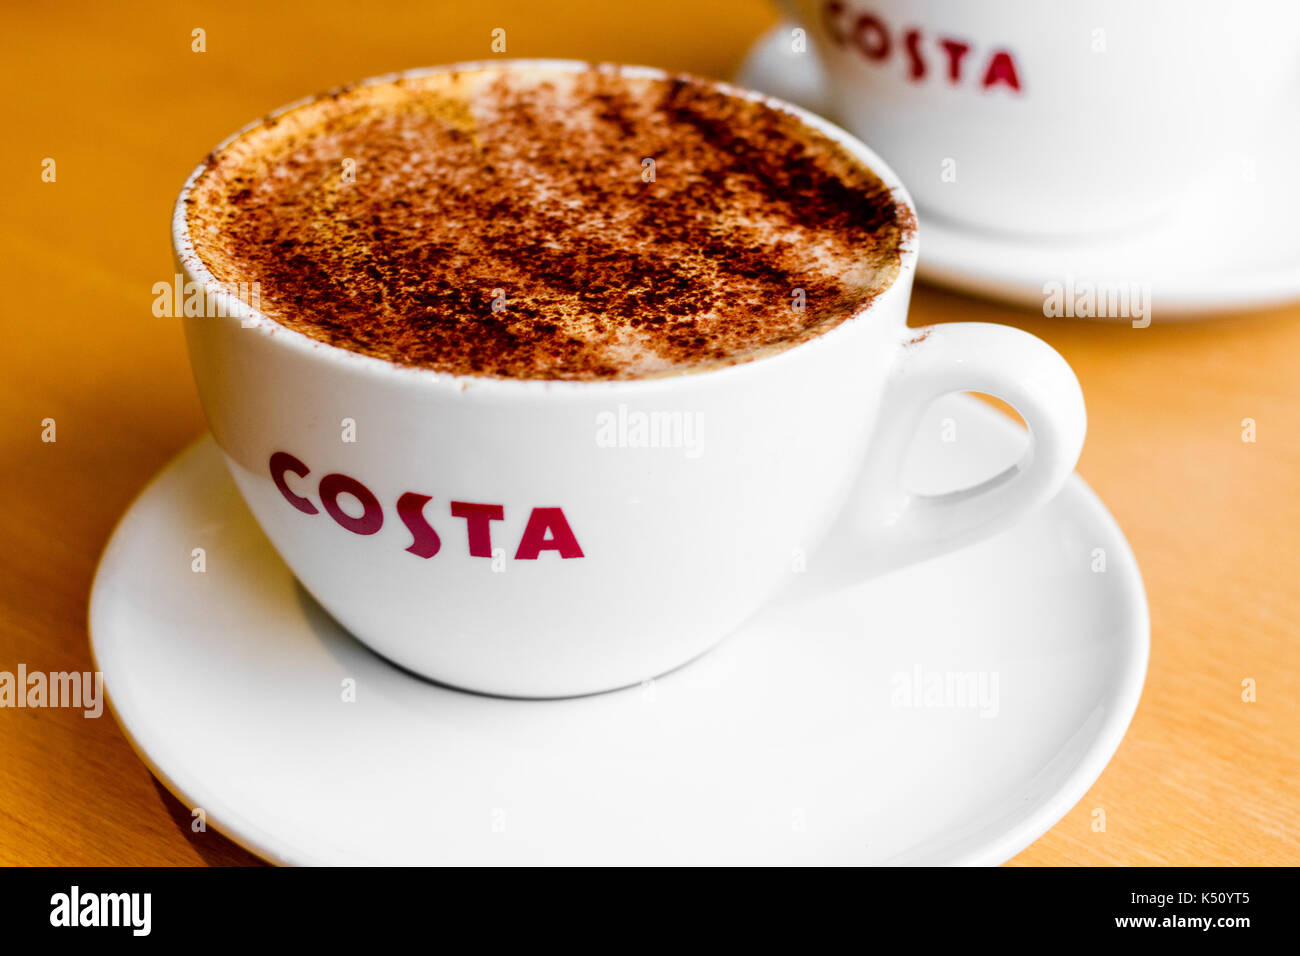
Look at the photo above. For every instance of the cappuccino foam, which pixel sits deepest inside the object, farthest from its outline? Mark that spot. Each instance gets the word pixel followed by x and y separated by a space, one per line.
pixel 537 223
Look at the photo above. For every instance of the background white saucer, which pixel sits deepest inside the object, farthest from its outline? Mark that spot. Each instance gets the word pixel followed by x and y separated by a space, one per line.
pixel 1232 244
pixel 790 743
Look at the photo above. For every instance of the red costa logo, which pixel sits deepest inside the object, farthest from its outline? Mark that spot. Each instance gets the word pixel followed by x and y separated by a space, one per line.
pixel 869 35
pixel 547 528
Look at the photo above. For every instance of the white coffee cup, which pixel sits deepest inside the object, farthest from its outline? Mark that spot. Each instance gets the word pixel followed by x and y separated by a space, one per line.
pixel 610 563
pixel 1016 116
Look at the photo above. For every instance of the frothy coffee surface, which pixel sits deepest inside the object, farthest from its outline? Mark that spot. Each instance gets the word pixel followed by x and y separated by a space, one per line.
pixel 542 224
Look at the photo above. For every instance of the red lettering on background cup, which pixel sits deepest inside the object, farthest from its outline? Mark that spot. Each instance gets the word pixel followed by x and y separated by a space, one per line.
pixel 867 33
pixel 870 37
pixel 1002 69
pixel 956 49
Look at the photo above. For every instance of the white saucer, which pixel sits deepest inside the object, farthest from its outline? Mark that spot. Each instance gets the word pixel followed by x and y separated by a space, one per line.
pixel 1230 245
pixel 790 743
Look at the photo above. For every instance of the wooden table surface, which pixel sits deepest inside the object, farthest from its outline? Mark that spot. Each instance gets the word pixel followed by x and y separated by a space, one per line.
pixel 125 108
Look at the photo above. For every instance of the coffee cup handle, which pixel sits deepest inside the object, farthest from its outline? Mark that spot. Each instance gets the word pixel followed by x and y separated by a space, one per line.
pixel 902 526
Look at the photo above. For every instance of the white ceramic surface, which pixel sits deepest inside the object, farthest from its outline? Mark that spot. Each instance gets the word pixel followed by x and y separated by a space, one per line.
pixel 1229 242
pixel 1053 119
pixel 695 536
pixel 791 742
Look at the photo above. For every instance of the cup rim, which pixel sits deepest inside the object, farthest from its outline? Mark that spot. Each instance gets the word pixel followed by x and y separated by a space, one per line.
pixel 233 308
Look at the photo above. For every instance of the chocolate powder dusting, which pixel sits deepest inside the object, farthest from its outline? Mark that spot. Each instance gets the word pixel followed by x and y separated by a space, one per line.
pixel 505 223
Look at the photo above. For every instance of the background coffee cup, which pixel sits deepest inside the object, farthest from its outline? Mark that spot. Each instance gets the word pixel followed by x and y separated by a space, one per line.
pixel 1055 118
pixel 422 536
